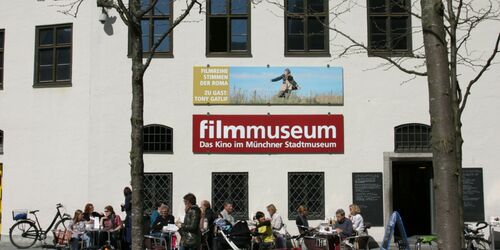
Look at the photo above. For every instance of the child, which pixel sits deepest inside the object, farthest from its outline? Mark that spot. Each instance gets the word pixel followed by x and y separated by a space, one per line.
pixel 77 227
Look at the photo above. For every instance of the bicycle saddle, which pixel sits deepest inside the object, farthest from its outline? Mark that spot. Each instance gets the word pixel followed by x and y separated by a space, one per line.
pixel 34 211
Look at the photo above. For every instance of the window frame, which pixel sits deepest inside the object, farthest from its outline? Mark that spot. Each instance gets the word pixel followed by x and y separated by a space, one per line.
pixel 167 142
pixel 229 16
pixel 169 175
pixel 54 82
pixel 306 52
pixel 242 215
pixel 2 58
pixel 292 211
pixel 389 52
pixel 158 54
pixel 1 141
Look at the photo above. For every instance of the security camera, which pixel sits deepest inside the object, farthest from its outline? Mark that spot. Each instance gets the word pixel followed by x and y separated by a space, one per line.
pixel 103 17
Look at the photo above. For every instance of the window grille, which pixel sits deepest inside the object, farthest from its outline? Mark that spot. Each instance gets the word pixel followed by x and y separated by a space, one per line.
pixel 231 187
pixel 157 188
pixel 308 189
pixel 2 39
pixel 158 139
pixel 412 137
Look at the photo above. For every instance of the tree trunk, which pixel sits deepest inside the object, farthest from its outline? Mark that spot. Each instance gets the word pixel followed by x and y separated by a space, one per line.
pixel 446 177
pixel 137 122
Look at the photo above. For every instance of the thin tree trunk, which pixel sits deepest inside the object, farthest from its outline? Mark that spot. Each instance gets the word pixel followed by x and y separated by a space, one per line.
pixel 447 202
pixel 137 122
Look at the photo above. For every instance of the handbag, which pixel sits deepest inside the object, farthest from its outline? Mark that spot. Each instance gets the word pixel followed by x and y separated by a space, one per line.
pixel 62 237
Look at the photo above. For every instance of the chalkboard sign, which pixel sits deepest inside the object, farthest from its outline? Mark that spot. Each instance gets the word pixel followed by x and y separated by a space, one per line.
pixel 367 193
pixel 473 194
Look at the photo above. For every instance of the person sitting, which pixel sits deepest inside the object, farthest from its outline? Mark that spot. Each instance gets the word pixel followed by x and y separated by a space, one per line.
pixel 265 231
pixel 343 226
pixel 226 213
pixel 301 220
pixel 357 220
pixel 164 219
pixel 156 212
pixel 77 227
pixel 89 213
pixel 277 224
pixel 113 224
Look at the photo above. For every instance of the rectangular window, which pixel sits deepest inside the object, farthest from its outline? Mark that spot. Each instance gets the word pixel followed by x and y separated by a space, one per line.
pixel 155 24
pixel 228 28
pixel 307 189
pixel 389 28
pixel 2 42
pixel 157 188
pixel 53 55
pixel 306 28
pixel 233 188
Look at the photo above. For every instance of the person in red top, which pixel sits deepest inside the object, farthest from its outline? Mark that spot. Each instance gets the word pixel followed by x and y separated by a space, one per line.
pixel 112 223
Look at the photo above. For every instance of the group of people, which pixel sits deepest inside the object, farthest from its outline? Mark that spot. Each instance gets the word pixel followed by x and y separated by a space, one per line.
pixel 83 224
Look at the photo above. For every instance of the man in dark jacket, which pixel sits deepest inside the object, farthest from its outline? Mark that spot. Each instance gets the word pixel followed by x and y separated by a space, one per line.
pixel 190 229
pixel 343 225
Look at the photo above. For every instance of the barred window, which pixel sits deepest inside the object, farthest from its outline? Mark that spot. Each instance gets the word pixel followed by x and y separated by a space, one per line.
pixel 155 24
pixel 157 188
pixel 412 137
pixel 231 187
pixel 157 139
pixel 53 55
pixel 1 142
pixel 308 189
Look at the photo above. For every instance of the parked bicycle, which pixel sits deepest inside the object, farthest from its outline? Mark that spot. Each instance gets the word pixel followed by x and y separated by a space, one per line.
pixel 26 231
pixel 474 238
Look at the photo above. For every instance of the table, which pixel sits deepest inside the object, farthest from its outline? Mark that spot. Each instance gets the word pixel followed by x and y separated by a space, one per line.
pixel 95 237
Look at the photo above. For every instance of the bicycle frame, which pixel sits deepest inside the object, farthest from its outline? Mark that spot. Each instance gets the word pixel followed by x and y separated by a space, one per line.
pixel 57 217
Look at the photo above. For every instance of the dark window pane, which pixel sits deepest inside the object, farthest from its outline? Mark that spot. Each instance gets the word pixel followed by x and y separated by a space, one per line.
pixel 398 6
pixel 377 5
pixel 316 25
pixel 295 6
pixel 63 55
pixel 400 42
pixel 239 6
pixel 315 6
pixel 238 42
pixel 145 35
pixel 378 25
pixel 160 28
pixel 218 7
pixel 46 57
pixel 63 35
pixel 145 4
pixel 295 26
pixel 316 42
pixel 162 7
pixel 1 76
pixel 45 73
pixel 218 34
pixel 63 72
pixel 378 41
pixel 2 39
pixel 238 26
pixel 46 36
pixel 295 42
pixel 1 59
pixel 399 24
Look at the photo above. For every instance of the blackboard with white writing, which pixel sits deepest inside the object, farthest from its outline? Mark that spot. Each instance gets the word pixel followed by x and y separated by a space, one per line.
pixel 473 194
pixel 367 193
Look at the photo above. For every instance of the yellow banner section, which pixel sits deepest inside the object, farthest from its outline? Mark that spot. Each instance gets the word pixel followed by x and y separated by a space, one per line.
pixel 210 85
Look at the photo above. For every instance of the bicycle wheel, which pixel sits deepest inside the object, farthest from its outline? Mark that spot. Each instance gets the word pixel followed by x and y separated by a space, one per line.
pixel 63 224
pixel 23 234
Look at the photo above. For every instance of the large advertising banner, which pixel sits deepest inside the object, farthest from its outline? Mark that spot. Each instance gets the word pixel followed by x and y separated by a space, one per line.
pixel 268 85
pixel 268 134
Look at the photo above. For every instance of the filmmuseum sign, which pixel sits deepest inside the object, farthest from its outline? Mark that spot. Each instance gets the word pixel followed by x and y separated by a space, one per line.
pixel 269 134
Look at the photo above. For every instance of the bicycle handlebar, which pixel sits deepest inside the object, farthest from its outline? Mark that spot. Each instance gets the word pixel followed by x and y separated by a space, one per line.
pixel 59 205
pixel 484 225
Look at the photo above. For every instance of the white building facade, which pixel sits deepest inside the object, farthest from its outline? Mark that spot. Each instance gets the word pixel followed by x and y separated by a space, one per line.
pixel 65 122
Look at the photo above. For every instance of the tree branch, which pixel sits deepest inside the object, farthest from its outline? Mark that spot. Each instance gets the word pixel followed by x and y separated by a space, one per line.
pixel 176 22
pixel 124 13
pixel 485 67
pixel 149 8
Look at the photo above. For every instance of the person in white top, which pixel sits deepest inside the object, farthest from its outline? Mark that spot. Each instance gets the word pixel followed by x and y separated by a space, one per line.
pixel 277 224
pixel 357 220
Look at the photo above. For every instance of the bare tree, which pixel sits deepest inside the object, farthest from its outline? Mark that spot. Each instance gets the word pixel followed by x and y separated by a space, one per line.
pixel 131 15
pixel 447 27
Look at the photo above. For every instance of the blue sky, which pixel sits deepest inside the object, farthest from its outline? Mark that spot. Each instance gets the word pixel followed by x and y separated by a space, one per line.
pixel 310 79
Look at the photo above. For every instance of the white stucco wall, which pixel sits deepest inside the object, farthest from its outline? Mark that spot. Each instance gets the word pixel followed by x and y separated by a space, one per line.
pixel 71 144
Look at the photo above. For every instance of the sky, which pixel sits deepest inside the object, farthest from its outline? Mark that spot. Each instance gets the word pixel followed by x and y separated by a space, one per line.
pixel 310 79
